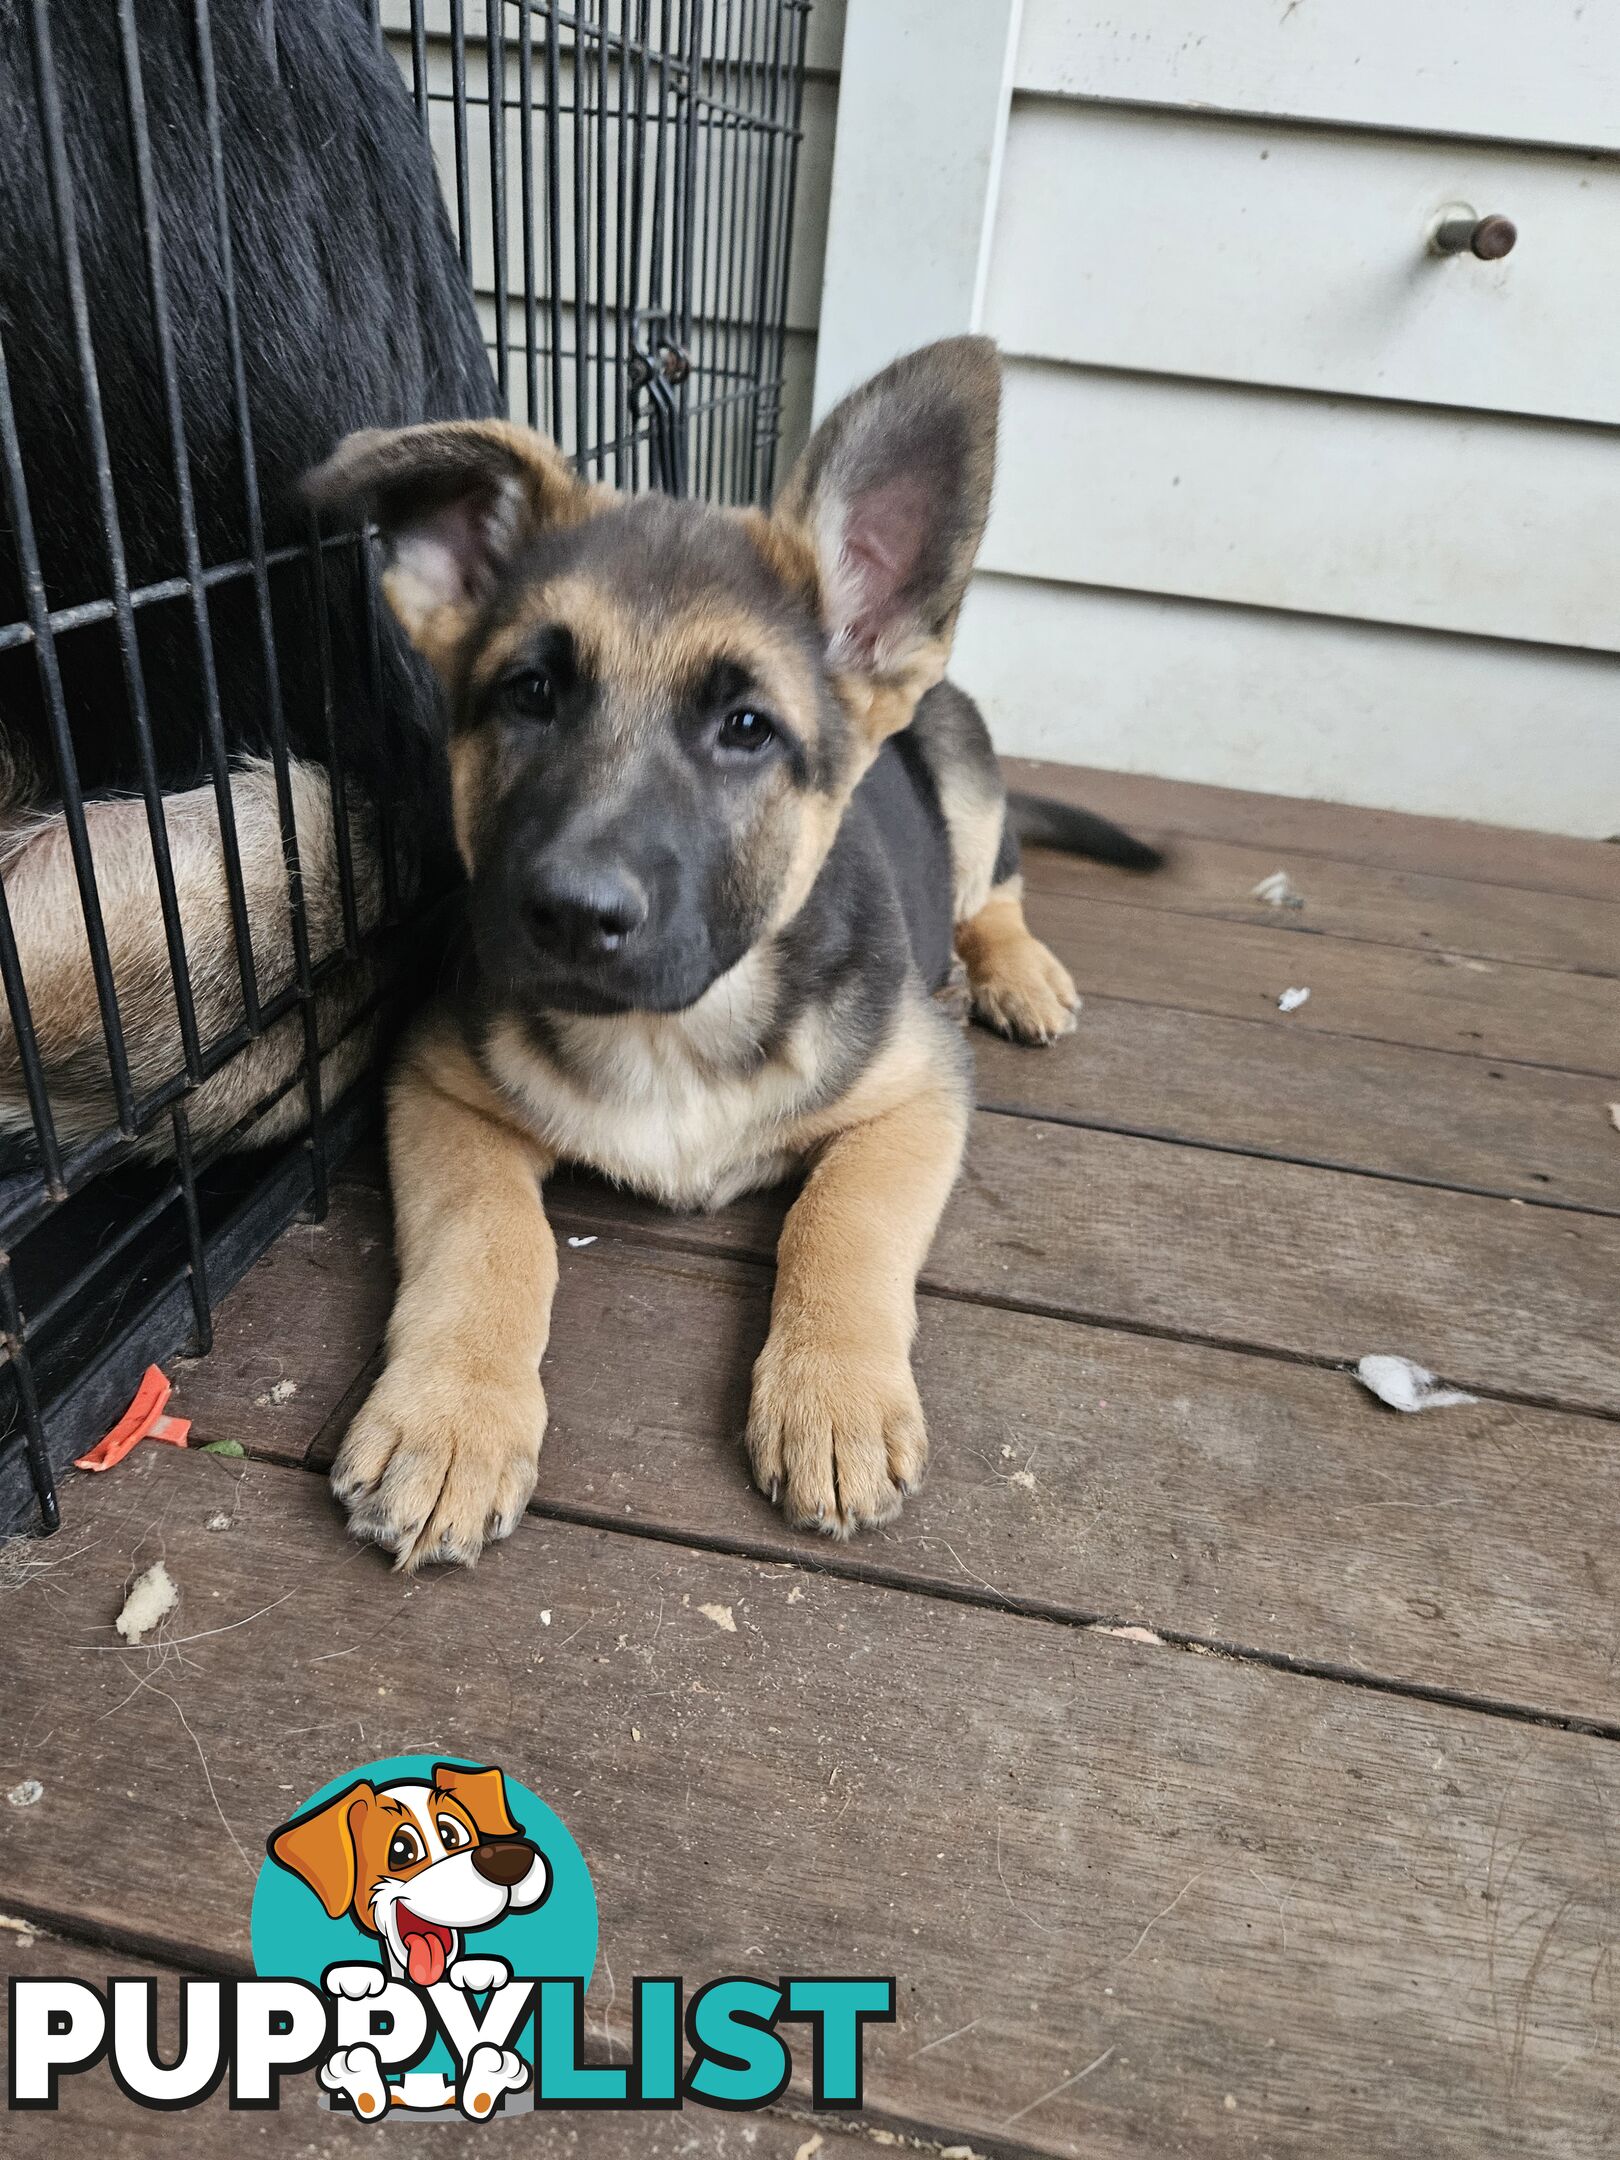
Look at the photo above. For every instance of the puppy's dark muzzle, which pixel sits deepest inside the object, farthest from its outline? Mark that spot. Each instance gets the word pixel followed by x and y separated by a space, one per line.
pixel 505 1861
pixel 583 911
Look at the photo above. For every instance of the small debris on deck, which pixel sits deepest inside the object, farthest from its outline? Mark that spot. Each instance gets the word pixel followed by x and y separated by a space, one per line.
pixel 721 1616
pixel 1278 890
pixel 1408 1386
pixel 152 1597
pixel 1614 1115
pixel 273 1398
pixel 579 1242
pixel 28 1794
pixel 1292 1000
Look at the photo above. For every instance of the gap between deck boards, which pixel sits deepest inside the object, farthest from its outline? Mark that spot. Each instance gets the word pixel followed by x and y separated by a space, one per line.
pixel 1291 1518
pixel 1222 1882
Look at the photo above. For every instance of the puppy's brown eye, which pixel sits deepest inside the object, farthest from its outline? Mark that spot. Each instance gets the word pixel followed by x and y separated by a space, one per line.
pixel 745 730
pixel 532 696
pixel 453 1833
pixel 404 1849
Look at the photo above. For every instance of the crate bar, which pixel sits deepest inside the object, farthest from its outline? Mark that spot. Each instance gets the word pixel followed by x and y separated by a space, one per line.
pixel 623 289
pixel 13 1335
pixel 495 65
pixel 638 230
pixel 582 425
pixel 600 175
pixel 62 742
pixel 180 466
pixel 202 1311
pixel 33 1072
pixel 799 13
pixel 261 581
pixel 682 215
pixel 85 612
pixel 751 144
pixel 706 266
pixel 342 838
pixel 531 333
pixel 458 100
pixel 554 203
pixel 64 216
pixel 419 66
pixel 768 250
pixel 366 577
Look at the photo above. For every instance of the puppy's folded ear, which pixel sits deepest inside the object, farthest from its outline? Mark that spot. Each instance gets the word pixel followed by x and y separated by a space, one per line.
pixel 454 500
pixel 482 1793
pixel 890 500
pixel 320 1847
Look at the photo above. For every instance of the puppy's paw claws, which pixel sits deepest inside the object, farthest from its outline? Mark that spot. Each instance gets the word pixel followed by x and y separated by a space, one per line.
pixel 1027 994
pixel 834 1441
pixel 435 1467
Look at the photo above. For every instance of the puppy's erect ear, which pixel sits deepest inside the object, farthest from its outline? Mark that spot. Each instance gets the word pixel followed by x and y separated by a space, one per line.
pixel 482 1793
pixel 320 1848
pixel 454 500
pixel 890 498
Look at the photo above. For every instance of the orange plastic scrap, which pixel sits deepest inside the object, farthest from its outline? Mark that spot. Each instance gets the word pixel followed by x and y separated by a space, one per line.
pixel 143 1420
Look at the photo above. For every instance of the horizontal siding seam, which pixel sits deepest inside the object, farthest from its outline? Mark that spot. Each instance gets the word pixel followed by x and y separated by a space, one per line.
pixel 1312 123
pixel 1596 655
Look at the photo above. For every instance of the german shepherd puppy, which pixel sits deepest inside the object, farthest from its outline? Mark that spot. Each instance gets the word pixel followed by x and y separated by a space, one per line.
pixel 723 823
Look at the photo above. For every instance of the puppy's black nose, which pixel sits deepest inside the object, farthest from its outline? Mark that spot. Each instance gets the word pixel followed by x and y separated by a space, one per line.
pixel 583 908
pixel 506 1862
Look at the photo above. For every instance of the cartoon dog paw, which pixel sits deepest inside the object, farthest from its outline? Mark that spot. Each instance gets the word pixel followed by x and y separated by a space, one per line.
pixel 355 1982
pixel 477 1975
pixel 490 2072
pixel 357 2071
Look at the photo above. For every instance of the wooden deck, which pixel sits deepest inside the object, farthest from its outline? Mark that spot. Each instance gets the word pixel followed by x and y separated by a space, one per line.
pixel 1221 1761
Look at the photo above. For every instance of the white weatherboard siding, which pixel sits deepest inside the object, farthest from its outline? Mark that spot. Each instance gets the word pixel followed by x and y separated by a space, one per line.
pixel 1515 70
pixel 1298 256
pixel 1388 513
pixel 1286 502
pixel 1349 712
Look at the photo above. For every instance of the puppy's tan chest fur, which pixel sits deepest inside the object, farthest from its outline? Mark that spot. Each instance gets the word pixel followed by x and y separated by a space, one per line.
pixel 677 1106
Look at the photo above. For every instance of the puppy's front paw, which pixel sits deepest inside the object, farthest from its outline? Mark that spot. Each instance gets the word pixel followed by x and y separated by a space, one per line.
pixel 439 1464
pixel 838 1440
pixel 1024 990
pixel 477 1975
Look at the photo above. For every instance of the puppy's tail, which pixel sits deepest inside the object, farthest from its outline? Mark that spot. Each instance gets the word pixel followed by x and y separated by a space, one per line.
pixel 1040 822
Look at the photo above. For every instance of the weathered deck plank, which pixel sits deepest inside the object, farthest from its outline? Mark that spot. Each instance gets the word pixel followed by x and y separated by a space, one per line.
pixel 1084 1472
pixel 1331 1099
pixel 1274 1913
pixel 1227 1248
pixel 1361 901
pixel 1482 1009
pixel 1388 839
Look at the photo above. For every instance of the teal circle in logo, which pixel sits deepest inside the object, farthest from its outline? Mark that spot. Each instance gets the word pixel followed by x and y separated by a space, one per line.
pixel 296 1937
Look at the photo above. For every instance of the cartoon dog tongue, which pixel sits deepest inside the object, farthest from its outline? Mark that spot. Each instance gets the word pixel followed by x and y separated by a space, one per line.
pixel 424 1958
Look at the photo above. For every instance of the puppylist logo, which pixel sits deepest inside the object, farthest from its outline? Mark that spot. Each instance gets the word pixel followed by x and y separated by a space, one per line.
pixel 424 1932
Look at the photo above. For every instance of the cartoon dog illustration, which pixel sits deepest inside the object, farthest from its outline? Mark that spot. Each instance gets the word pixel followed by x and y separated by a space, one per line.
pixel 419 1866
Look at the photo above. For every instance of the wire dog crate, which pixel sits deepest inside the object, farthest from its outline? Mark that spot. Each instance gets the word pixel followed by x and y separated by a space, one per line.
pixel 211 898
